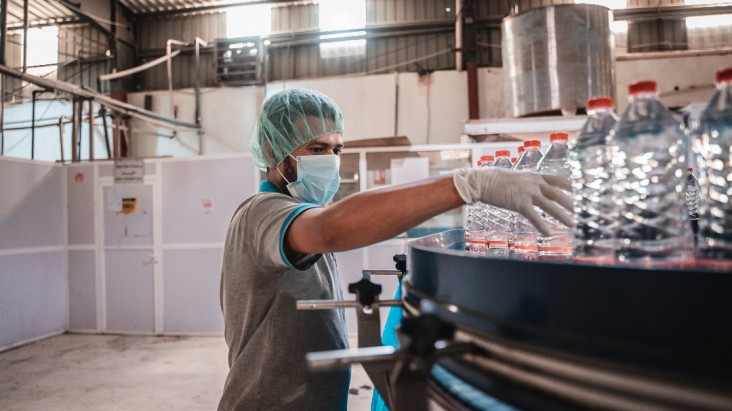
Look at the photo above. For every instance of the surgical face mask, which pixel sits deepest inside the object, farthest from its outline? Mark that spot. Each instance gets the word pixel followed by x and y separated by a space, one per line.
pixel 317 178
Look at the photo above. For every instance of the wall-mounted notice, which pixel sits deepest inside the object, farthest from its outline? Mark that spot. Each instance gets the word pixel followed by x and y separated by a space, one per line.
pixel 129 171
pixel 129 206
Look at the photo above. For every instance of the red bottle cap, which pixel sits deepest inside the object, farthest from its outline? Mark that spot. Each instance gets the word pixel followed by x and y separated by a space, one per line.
pixel 599 102
pixel 486 158
pixel 643 86
pixel 532 143
pixel 690 169
pixel 522 149
pixel 513 159
pixel 559 136
pixel 724 75
pixel 503 153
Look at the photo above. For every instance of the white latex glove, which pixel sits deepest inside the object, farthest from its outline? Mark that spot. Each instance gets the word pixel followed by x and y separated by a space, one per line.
pixel 518 191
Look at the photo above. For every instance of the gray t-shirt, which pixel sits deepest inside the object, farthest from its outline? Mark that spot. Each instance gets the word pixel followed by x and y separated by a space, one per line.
pixel 267 336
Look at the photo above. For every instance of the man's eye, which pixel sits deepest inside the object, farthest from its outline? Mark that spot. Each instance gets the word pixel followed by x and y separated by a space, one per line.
pixel 317 150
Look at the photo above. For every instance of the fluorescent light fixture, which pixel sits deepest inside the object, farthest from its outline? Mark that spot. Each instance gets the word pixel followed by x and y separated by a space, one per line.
pixel 342 35
pixel 347 48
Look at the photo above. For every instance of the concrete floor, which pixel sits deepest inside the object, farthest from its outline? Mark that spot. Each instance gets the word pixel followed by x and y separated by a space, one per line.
pixel 112 372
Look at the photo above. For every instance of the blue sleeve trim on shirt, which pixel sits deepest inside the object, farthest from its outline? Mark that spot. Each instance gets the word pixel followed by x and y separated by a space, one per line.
pixel 286 224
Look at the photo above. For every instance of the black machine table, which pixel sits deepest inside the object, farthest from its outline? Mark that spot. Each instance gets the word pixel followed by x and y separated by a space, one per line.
pixel 564 335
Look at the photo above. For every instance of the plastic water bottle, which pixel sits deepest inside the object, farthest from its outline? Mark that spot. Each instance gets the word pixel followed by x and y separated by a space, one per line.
pixel 524 233
pixel 479 237
pixel 592 191
pixel 470 222
pixel 555 162
pixel 500 218
pixel 649 159
pixel 692 201
pixel 715 132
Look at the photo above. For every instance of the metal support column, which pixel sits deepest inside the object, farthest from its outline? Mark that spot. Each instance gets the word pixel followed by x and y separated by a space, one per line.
pixel 61 136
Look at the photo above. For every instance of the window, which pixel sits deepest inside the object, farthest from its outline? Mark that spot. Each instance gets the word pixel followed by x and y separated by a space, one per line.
pixel 42 50
pixel 249 21
pixel 342 15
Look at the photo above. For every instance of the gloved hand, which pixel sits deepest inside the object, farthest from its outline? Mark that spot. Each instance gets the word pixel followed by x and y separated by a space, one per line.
pixel 518 191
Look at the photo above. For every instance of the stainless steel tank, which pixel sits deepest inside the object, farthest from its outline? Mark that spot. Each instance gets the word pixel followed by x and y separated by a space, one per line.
pixel 555 58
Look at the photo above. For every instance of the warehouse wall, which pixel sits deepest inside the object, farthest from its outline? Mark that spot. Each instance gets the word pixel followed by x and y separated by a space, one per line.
pixel 33 296
pixel 431 108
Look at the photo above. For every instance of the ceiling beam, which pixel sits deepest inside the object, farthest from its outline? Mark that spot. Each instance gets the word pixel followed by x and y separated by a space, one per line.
pixel 85 17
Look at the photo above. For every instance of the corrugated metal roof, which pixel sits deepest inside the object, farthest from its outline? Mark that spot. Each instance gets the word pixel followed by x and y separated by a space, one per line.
pixel 184 6
pixel 40 12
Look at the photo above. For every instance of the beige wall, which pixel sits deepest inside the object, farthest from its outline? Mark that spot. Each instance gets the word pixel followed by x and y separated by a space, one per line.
pixel 431 108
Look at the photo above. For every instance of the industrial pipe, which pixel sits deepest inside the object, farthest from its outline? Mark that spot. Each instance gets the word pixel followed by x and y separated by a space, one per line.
pixel 120 106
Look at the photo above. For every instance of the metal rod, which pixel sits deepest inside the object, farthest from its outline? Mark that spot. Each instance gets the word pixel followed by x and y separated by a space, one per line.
pixel 115 137
pixel 329 360
pixel 124 108
pixel 458 34
pixel 75 131
pixel 61 127
pixel 328 304
pixel 91 129
pixel 2 108
pixel 3 30
pixel 199 42
pixel 25 36
pixel 103 113
pixel 33 123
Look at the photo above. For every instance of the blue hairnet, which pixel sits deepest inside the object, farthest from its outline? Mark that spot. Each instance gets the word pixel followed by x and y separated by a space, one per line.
pixel 290 119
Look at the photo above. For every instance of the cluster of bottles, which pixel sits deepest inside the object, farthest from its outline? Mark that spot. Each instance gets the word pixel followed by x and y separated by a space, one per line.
pixel 499 232
pixel 636 201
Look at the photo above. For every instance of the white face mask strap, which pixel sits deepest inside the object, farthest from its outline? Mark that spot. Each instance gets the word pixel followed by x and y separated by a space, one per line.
pixel 283 176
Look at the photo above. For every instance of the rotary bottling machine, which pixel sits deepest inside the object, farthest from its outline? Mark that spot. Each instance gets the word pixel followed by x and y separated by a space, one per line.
pixel 499 333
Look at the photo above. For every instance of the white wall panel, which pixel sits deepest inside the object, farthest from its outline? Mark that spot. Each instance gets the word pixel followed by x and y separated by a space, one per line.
pixel 349 268
pixel 82 291
pixel 31 210
pixel 80 202
pixel 191 281
pixel 129 291
pixel 33 296
pixel 189 186
pixel 128 229
pixel 681 80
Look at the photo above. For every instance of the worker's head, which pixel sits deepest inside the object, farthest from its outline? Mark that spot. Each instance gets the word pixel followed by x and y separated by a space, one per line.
pixel 289 120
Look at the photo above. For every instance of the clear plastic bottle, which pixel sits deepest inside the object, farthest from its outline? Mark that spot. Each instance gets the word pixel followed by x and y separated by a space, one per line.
pixel 592 184
pixel 692 201
pixel 555 162
pixel 715 132
pixel 524 233
pixel 500 218
pixel 470 221
pixel 649 150
pixel 481 213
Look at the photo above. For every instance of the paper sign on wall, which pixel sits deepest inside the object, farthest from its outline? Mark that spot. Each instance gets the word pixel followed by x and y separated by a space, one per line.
pixel 129 206
pixel 129 171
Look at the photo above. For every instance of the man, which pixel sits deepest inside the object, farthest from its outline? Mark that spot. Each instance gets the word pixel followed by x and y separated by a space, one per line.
pixel 280 244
